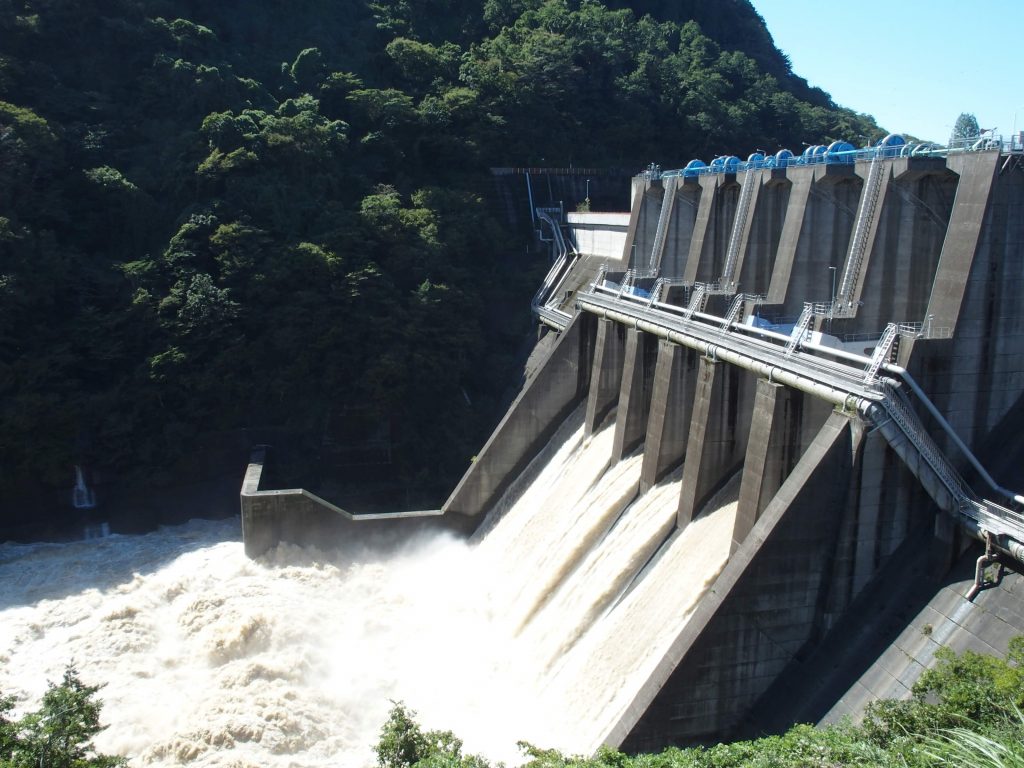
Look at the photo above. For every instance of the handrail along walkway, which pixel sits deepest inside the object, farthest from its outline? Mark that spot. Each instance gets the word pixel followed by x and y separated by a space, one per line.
pixel 879 400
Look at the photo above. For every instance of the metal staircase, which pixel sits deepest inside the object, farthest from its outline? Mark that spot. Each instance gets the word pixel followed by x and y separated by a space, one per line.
pixel 697 299
pixel 800 329
pixel 667 202
pixel 882 351
pixel 736 236
pixel 904 416
pixel 843 305
pixel 986 516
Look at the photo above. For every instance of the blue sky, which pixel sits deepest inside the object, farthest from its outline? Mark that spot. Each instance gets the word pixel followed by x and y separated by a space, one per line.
pixel 914 65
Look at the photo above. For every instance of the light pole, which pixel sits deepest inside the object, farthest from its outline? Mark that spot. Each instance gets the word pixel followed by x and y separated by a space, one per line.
pixel 832 306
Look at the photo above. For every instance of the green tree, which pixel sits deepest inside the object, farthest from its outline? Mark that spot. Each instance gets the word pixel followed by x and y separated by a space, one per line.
pixel 404 744
pixel 59 734
pixel 965 127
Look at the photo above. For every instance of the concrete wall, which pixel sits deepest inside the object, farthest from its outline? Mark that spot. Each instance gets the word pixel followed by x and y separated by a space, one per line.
pixel 296 516
pixel 600 234
pixel 825 511
pixel 976 377
pixel 643 224
pixel 757 614
pixel 555 390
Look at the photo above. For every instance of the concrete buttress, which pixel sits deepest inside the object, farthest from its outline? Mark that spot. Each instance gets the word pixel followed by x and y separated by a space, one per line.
pixel 634 397
pixel 606 374
pixel 705 208
pixel 765 465
pixel 718 434
pixel 758 613
pixel 669 421
pixel 792 225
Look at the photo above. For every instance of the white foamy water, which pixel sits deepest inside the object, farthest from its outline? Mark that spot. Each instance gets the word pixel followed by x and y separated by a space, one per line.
pixel 538 629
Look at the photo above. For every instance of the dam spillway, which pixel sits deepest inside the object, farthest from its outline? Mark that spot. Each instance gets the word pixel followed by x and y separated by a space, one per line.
pixel 828 336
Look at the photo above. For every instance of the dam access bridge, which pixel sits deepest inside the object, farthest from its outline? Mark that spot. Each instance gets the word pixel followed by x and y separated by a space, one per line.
pixel 839 332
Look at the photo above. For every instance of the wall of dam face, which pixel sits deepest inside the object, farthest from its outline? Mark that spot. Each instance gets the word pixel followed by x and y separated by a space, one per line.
pixel 744 343
pixel 825 501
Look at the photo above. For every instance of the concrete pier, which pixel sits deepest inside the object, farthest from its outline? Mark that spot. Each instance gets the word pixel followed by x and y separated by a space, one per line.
pixel 606 375
pixel 718 434
pixel 768 457
pixel 709 186
pixel 634 396
pixel 670 413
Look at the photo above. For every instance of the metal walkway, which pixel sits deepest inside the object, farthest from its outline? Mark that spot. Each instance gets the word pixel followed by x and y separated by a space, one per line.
pixel 545 304
pixel 794 362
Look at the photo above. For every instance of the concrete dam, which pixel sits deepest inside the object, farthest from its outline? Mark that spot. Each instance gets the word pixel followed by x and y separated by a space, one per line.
pixel 831 348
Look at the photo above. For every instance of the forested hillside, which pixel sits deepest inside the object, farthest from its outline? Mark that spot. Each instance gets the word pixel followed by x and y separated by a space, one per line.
pixel 228 215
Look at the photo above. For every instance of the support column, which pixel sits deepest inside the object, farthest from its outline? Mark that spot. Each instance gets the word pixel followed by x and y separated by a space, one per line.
pixel 792 226
pixel 709 191
pixel 669 421
pixel 714 432
pixel 629 420
pixel 977 176
pixel 639 188
pixel 605 374
pixel 767 459
pixel 840 589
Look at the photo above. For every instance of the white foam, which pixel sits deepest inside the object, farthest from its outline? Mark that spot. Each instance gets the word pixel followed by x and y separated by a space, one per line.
pixel 538 631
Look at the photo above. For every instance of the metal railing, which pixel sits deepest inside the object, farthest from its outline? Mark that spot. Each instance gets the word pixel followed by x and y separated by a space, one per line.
pixel 882 351
pixel 662 284
pixel 736 307
pixel 904 416
pixel 739 221
pixel 909 437
pixel 697 299
pixel 654 263
pixel 544 301
pixel 985 143
pixel 800 329
pixel 858 244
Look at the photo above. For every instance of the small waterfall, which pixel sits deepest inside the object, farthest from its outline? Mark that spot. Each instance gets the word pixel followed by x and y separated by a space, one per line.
pixel 82 496
pixel 96 531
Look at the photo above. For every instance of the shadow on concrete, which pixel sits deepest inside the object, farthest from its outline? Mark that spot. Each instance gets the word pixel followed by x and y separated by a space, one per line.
pixel 870 652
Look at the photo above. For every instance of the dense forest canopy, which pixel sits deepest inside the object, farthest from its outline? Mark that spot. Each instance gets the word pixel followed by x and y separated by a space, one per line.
pixel 243 214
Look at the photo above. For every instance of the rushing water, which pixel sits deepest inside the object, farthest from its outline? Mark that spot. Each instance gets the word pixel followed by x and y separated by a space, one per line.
pixel 541 628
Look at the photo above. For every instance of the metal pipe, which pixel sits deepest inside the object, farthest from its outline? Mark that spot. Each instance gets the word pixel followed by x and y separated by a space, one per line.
pixel 979 576
pixel 1015 549
pixel 529 194
pixel 980 565
pixel 848 399
pixel 905 375
pixel 840 353
pixel 839 397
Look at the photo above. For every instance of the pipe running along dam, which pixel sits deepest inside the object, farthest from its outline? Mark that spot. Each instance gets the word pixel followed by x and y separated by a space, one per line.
pixel 815 365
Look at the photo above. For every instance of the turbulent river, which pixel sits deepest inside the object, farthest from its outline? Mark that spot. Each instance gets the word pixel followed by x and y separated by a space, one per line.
pixel 541 628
